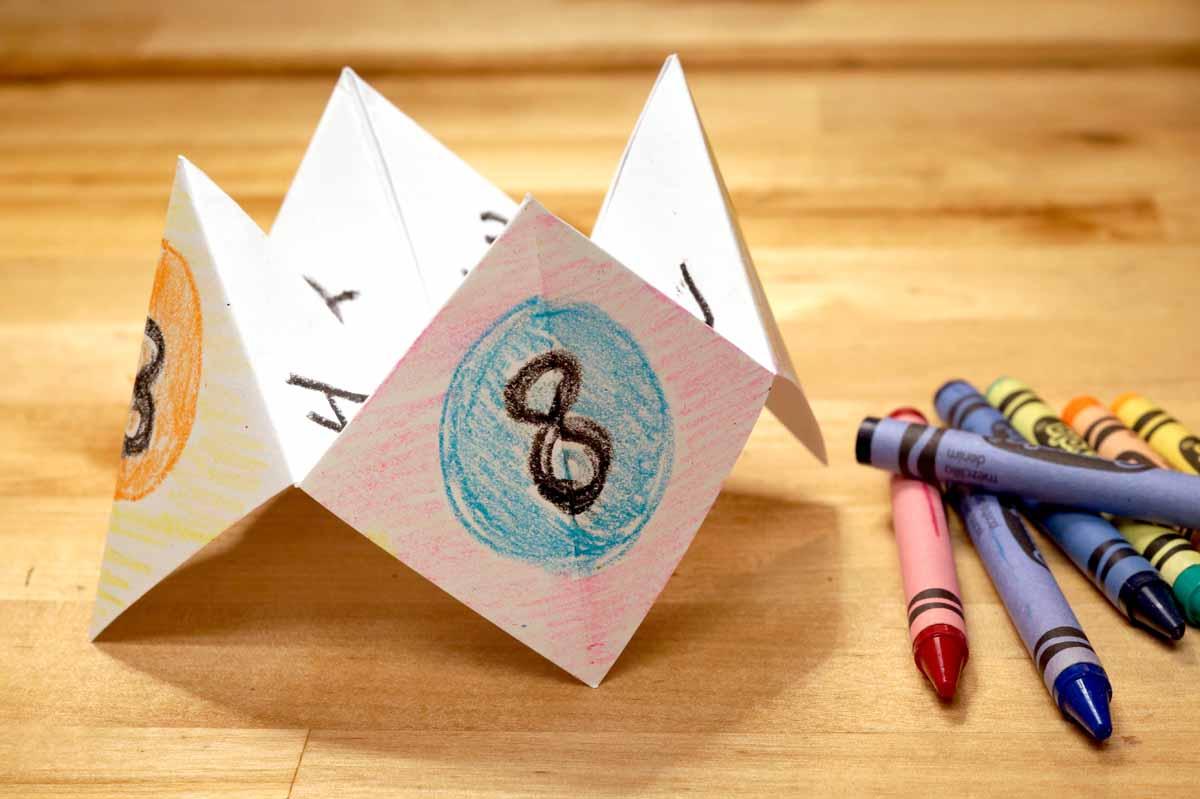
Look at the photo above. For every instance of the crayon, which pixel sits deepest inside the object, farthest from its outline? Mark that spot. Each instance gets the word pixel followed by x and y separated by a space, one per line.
pixel 1106 434
pixel 1092 543
pixel 1169 551
pixel 1175 558
pixel 1128 579
pixel 1032 418
pixel 1168 437
pixel 1003 466
pixel 1060 650
pixel 936 626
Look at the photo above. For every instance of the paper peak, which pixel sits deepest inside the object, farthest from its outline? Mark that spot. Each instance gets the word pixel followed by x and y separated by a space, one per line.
pixel 535 421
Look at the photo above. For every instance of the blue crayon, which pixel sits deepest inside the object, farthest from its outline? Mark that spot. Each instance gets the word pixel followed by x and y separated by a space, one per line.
pixel 1062 653
pixel 1004 466
pixel 1095 547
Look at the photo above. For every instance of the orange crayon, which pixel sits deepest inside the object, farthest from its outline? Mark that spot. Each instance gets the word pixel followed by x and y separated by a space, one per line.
pixel 1106 434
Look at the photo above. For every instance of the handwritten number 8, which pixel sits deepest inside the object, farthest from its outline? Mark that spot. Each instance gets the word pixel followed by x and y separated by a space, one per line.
pixel 555 425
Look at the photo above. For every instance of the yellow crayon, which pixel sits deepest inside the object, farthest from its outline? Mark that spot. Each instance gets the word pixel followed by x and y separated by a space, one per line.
pixel 1104 433
pixel 1166 549
pixel 1175 559
pixel 1168 437
pixel 1033 418
pixel 1036 421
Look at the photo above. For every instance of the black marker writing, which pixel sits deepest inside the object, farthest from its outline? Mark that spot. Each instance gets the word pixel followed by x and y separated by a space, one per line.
pixel 332 301
pixel 143 400
pixel 491 216
pixel 331 394
pixel 556 425
pixel 691 284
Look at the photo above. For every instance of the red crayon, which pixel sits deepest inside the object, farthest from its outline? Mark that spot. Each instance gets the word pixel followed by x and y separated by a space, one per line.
pixel 936 625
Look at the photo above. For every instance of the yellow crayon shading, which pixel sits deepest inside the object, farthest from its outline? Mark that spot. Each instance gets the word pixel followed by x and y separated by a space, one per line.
pixel 1107 435
pixel 1166 435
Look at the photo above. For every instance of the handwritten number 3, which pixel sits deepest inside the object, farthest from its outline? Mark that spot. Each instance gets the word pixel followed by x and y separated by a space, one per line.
pixel 557 425
pixel 143 400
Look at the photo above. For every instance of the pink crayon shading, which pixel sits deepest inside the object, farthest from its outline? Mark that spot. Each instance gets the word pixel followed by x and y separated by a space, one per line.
pixel 936 626
pixel 384 474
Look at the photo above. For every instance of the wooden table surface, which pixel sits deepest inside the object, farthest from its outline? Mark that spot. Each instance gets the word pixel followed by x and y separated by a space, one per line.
pixel 930 189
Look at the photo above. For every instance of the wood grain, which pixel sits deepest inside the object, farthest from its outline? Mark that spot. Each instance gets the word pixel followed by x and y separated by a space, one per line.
pixel 64 37
pixel 930 190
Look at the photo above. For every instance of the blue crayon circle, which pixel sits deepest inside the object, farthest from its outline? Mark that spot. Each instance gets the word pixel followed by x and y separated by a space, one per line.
pixel 486 448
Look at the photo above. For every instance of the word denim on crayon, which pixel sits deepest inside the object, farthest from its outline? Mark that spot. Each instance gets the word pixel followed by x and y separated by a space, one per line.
pixel 1096 548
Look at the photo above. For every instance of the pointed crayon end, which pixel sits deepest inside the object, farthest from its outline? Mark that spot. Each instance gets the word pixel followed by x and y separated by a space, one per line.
pixel 1153 607
pixel 941 655
pixel 1072 408
pixel 1083 695
pixel 1187 590
pixel 907 414
pixel 1121 400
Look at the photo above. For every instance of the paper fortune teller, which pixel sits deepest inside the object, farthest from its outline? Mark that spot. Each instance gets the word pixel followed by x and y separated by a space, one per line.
pixel 536 421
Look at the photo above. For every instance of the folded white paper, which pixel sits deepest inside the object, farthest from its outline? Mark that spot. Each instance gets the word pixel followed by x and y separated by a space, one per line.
pixel 668 217
pixel 535 421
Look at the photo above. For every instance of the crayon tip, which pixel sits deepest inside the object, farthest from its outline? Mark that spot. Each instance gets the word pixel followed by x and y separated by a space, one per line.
pixel 941 653
pixel 1121 400
pixel 1187 591
pixel 1083 694
pixel 907 414
pixel 1076 405
pixel 1153 608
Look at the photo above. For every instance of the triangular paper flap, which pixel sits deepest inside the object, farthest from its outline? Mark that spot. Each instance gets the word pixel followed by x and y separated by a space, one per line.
pixel 199 452
pixel 282 323
pixel 668 217
pixel 451 213
pixel 384 222
pixel 457 464
pixel 340 230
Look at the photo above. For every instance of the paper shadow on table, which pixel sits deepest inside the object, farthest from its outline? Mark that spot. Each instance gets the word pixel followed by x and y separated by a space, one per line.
pixel 294 619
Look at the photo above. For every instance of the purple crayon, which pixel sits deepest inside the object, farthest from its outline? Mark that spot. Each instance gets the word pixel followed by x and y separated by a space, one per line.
pixel 1062 653
pixel 1004 466
pixel 1096 548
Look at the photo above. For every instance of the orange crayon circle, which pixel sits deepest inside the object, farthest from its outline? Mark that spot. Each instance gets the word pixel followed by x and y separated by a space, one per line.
pixel 163 407
pixel 1076 405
